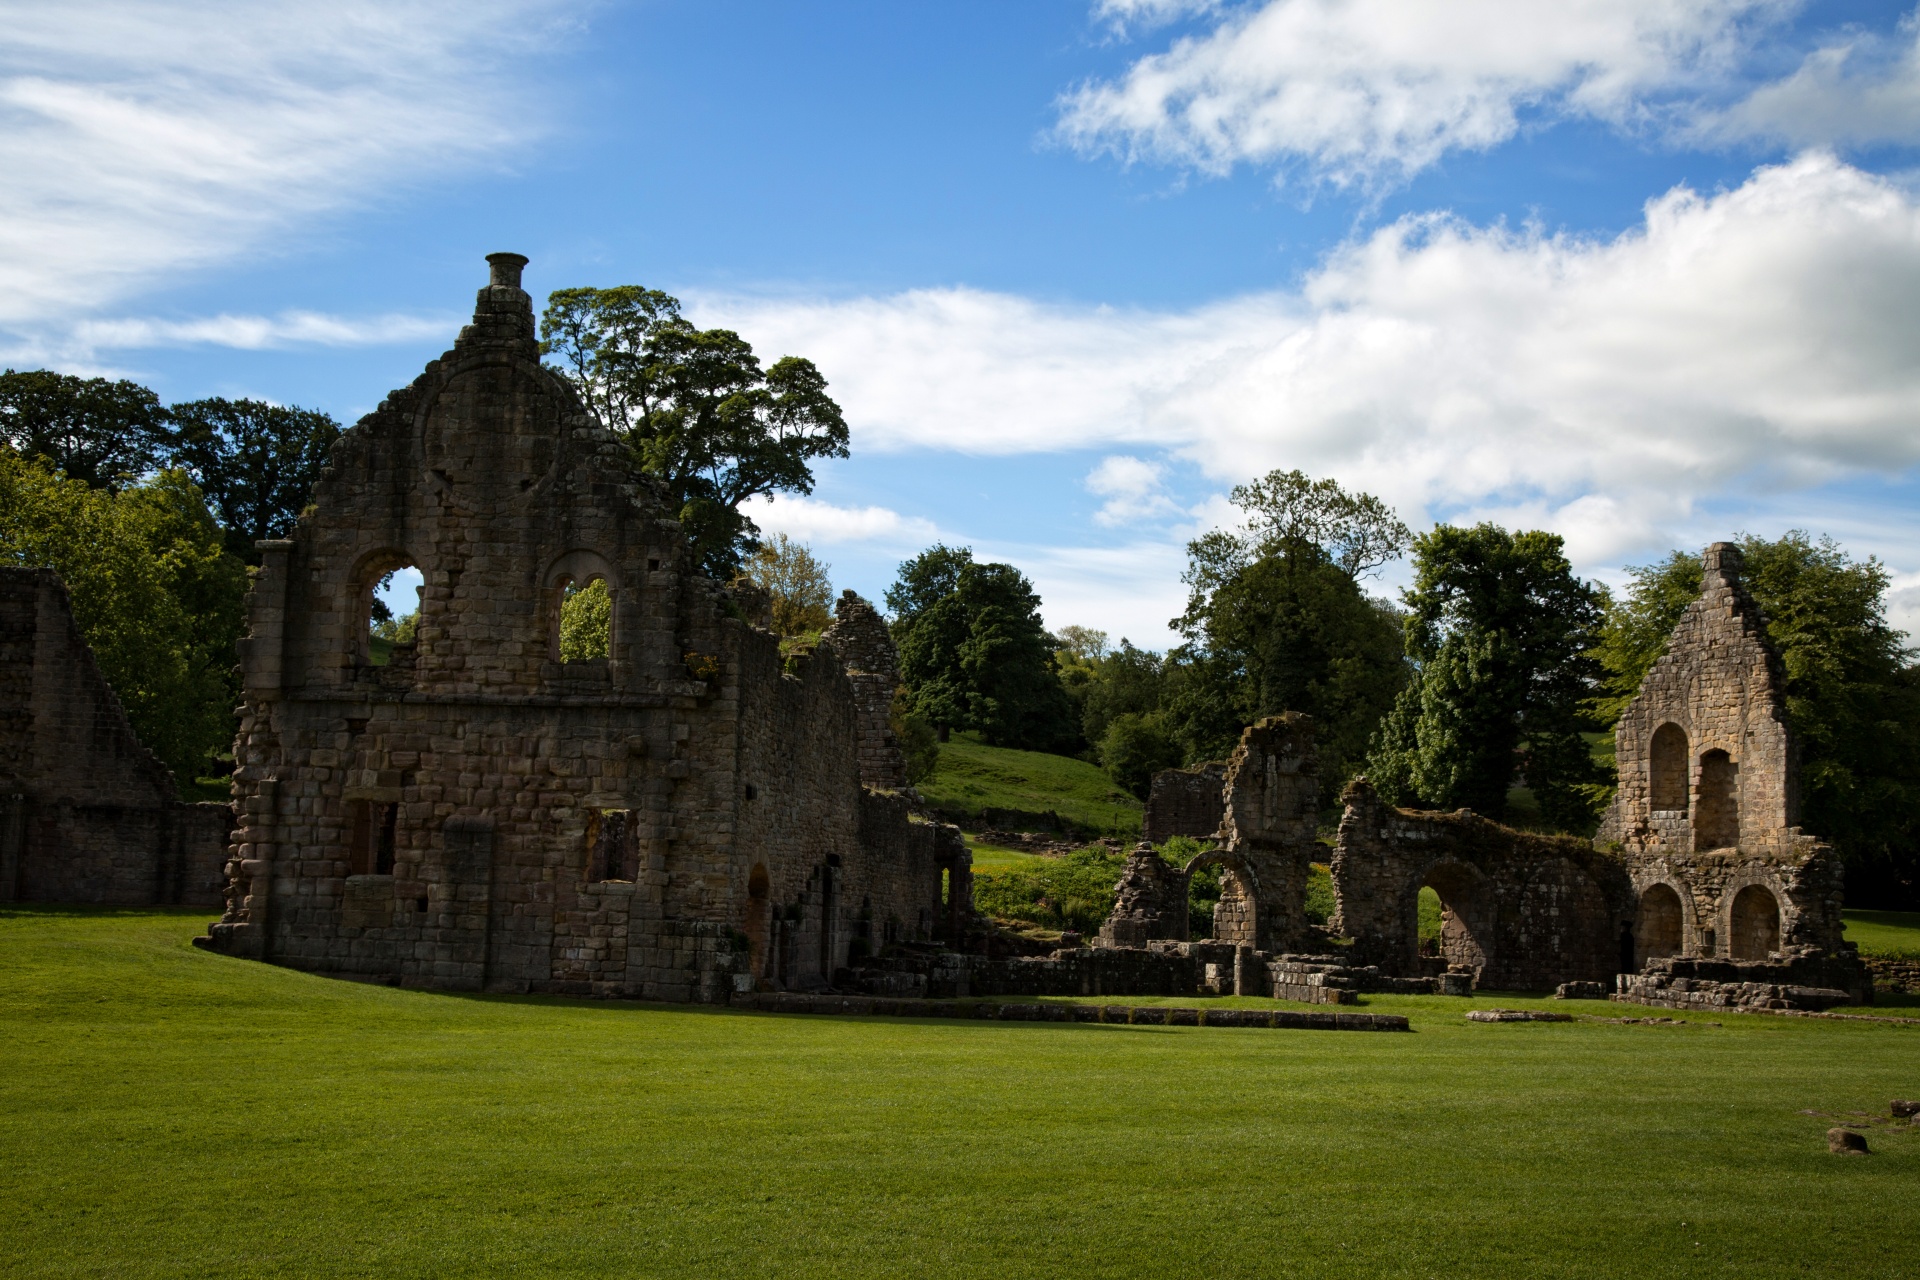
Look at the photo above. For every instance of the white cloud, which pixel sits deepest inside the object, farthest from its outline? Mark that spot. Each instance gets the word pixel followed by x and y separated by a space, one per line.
pixel 255 333
pixel 812 521
pixel 1129 15
pixel 1763 338
pixel 1133 487
pixel 1361 91
pixel 1858 91
pixel 142 139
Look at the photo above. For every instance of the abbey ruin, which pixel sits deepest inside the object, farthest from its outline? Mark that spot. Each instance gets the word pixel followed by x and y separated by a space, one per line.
pixel 696 816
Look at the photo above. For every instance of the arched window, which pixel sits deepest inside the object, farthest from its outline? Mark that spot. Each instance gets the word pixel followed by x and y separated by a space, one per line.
pixel 580 587
pixel 1716 821
pixel 1755 926
pixel 388 590
pixel 1667 769
pixel 1658 927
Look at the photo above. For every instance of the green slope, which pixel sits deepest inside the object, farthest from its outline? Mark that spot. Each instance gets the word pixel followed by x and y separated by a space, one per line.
pixel 973 777
pixel 164 1112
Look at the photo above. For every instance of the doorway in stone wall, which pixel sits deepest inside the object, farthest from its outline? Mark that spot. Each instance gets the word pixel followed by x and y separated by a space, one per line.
pixel 1659 925
pixel 1223 900
pixel 1465 934
pixel 1755 925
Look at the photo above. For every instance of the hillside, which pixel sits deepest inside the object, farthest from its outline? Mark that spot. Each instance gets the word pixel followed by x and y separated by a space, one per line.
pixel 977 785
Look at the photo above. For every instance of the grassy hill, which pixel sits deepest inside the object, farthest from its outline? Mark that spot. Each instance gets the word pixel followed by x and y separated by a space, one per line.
pixel 972 778
pixel 166 1112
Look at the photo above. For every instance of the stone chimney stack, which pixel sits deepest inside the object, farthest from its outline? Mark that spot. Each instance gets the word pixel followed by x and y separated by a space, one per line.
pixel 503 313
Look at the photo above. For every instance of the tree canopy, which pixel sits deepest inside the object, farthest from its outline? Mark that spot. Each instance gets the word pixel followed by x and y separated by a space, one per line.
pixel 102 433
pixel 977 655
pixel 154 591
pixel 696 408
pixel 1852 692
pixel 1276 620
pixel 1499 630
pixel 796 581
pixel 255 462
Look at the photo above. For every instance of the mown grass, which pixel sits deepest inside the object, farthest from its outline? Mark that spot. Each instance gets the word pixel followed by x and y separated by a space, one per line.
pixel 164 1112
pixel 972 777
pixel 1885 933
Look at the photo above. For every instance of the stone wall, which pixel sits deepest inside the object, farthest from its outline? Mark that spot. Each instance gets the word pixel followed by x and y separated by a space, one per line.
pixel 860 637
pixel 1708 793
pixel 678 820
pixel 87 814
pixel 1185 802
pixel 1520 911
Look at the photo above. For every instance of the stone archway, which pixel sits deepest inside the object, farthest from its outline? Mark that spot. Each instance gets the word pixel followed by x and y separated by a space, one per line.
pixel 1236 917
pixel 1659 925
pixel 1753 923
pixel 1466 914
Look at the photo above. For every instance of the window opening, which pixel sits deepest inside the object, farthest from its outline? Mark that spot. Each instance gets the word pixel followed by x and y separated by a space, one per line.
pixel 1716 823
pixel 374 841
pixel 1657 927
pixel 393 614
pixel 1667 766
pixel 586 620
pixel 611 852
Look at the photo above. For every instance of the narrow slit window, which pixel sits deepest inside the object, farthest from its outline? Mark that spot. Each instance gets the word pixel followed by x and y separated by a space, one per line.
pixel 373 838
pixel 612 850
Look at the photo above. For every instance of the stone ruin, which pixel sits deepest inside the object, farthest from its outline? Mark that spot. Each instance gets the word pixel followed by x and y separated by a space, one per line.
pixel 1699 891
pixel 87 814
pixel 690 816
pixel 1184 802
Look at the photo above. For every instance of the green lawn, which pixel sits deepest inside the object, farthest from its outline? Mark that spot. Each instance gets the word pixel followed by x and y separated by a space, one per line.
pixel 972 777
pixel 1885 933
pixel 164 1112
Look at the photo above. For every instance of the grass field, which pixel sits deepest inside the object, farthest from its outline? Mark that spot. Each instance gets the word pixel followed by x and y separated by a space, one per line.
pixel 164 1112
pixel 1885 933
pixel 972 776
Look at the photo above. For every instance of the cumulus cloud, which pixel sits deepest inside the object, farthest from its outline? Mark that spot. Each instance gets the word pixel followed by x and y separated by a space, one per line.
pixel 1364 91
pixel 1856 91
pixel 813 521
pixel 140 139
pixel 1760 336
pixel 1134 490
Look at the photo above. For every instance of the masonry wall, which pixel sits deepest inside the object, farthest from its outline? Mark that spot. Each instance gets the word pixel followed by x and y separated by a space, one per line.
pixel 87 814
pixel 1185 802
pixel 589 827
pixel 1521 911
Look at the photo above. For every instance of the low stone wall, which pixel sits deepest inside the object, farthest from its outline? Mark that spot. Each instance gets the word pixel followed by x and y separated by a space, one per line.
pixel 1806 981
pixel 1664 992
pixel 1132 1015
pixel 1889 974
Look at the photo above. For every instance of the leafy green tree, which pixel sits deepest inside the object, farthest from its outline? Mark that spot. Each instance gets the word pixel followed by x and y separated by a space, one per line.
pixel 1134 748
pixel 154 591
pixel 1500 630
pixel 255 462
pixel 1276 621
pixel 99 432
pixel 978 657
pixel 586 622
pixel 696 408
pixel 919 743
pixel 1853 693
pixel 924 581
pixel 797 581
pixel 1125 682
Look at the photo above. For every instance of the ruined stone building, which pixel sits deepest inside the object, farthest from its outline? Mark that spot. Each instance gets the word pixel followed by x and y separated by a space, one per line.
pixel 1700 890
pixel 87 814
pixel 679 819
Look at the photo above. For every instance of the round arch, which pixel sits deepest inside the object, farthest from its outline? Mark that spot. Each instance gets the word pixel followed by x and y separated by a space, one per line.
pixel 1236 917
pixel 368 569
pixel 1466 913
pixel 1753 921
pixel 1661 922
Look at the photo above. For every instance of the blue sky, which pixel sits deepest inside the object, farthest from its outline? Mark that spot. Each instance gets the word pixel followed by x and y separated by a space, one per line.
pixel 1644 273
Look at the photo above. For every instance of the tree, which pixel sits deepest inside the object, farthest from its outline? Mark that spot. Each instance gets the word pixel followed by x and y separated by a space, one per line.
pixel 978 656
pixel 695 408
pixel 1852 692
pixel 89 429
pixel 1134 748
pixel 1126 682
pixel 586 622
pixel 154 591
pixel 1499 630
pixel 1276 620
pixel 255 462
pixel 797 582
pixel 924 581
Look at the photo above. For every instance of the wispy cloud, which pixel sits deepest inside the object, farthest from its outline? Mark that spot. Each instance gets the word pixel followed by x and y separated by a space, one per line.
pixel 1859 90
pixel 143 139
pixel 813 521
pixel 1758 339
pixel 1134 489
pixel 255 333
pixel 1371 91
